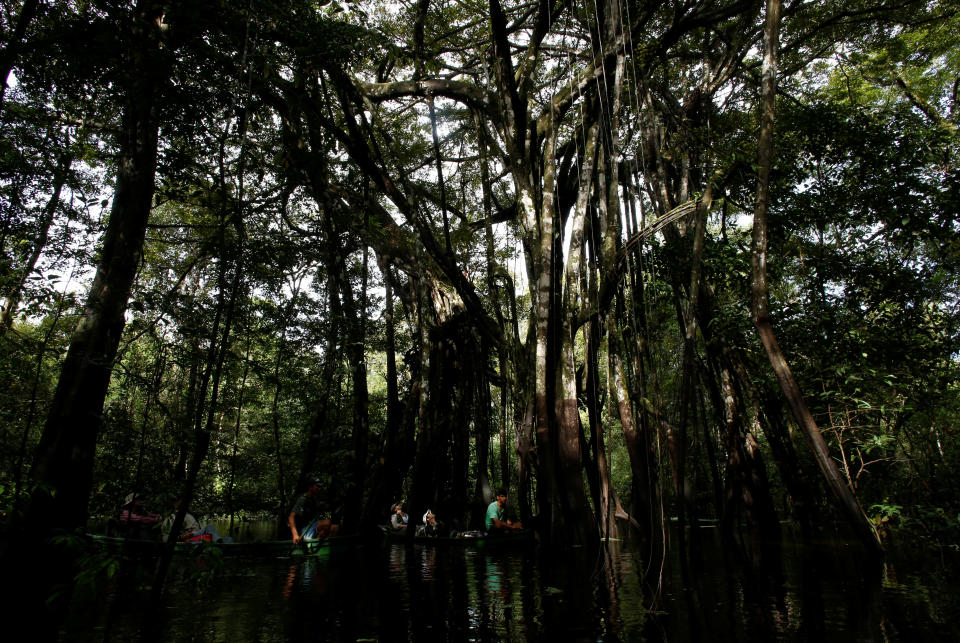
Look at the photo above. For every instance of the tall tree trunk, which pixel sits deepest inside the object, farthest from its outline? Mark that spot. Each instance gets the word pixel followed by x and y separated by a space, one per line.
pixel 219 347
pixel 187 420
pixel 605 500
pixel 63 465
pixel 440 467
pixel 394 455
pixel 483 487
pixel 393 396
pixel 834 478
pixel 427 397
pixel 358 368
pixel 576 522
pixel 636 411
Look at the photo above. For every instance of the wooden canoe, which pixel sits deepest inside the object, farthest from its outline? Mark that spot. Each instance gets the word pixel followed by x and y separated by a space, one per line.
pixel 476 539
pixel 284 548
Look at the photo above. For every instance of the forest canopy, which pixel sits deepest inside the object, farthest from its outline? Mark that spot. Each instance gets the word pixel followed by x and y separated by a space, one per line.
pixel 633 261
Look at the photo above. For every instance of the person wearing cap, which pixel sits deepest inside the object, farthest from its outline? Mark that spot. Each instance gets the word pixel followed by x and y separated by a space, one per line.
pixel 304 519
pixel 398 519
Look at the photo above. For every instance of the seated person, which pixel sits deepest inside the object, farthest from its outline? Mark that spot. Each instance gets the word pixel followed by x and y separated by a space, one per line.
pixel 191 530
pixel 496 521
pixel 398 519
pixel 432 526
pixel 137 522
pixel 305 519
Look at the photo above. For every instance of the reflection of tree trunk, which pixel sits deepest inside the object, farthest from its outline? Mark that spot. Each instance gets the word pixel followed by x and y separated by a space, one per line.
pixel 63 466
pixel 833 477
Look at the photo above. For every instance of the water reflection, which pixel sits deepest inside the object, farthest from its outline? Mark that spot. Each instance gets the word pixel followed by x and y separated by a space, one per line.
pixel 790 592
pixel 291 579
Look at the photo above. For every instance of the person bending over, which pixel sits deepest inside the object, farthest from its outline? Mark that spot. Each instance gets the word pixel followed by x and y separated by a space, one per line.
pixel 305 520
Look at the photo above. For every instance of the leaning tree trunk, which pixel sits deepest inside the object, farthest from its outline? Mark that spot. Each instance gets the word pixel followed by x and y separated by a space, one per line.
pixel 834 478
pixel 63 465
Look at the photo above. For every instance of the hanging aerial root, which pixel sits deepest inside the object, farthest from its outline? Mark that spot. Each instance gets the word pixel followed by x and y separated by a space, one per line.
pixel 678 212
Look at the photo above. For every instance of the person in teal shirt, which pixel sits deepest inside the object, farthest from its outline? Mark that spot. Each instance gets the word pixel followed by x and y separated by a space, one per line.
pixel 496 522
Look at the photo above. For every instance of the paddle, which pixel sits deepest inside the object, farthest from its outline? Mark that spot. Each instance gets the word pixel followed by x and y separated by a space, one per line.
pixel 306 540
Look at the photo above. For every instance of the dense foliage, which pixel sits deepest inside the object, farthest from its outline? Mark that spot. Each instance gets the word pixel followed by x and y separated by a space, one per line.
pixel 425 249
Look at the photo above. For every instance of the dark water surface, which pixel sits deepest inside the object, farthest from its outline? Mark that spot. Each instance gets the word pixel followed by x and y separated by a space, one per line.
pixel 794 592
